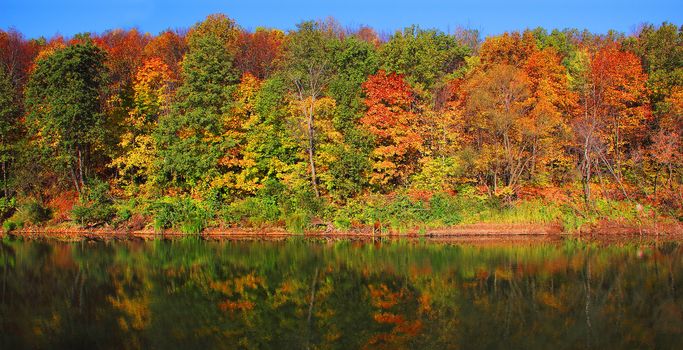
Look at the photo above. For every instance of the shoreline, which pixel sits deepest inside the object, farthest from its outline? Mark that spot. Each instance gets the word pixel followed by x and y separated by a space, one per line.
pixel 473 232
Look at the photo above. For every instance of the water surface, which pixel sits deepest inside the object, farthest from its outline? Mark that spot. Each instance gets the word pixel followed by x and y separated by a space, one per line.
pixel 300 294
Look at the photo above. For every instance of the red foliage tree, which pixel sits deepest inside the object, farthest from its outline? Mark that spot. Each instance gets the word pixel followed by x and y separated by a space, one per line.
pixel 259 51
pixel 124 54
pixel 17 55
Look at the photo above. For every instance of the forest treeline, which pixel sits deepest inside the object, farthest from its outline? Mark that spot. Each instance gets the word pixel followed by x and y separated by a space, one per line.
pixel 218 125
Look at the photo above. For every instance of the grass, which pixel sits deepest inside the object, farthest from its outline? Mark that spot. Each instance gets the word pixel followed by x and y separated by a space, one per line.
pixel 398 212
pixel 522 212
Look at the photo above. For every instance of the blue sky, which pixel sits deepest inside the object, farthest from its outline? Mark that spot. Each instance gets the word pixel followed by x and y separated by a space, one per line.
pixel 67 17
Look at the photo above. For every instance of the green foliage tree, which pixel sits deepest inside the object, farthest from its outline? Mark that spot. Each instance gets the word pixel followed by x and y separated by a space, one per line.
pixel 308 66
pixel 354 60
pixel 190 139
pixel 9 118
pixel 423 56
pixel 64 104
pixel 661 51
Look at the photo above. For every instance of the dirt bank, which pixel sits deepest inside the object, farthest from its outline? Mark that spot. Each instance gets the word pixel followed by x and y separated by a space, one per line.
pixel 480 232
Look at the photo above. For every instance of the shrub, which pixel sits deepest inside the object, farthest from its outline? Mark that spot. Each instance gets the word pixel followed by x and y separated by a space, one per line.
pixel 31 212
pixel 400 212
pixel 9 225
pixel 7 207
pixel 36 213
pixel 95 205
pixel 184 214
pixel 124 210
pixel 255 210
pixel 297 222
pixel 445 209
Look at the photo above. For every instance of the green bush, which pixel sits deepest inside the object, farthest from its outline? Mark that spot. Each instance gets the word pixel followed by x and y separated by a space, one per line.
pixel 297 222
pixel 125 209
pixel 400 212
pixel 95 205
pixel 445 209
pixel 342 222
pixel 36 213
pixel 255 210
pixel 32 212
pixel 10 225
pixel 184 214
pixel 7 207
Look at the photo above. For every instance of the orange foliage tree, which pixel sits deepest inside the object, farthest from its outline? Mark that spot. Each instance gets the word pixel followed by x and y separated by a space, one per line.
pixel 391 119
pixel 613 111
pixel 170 47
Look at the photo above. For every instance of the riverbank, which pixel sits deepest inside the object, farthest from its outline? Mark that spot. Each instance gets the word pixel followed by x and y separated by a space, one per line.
pixel 482 231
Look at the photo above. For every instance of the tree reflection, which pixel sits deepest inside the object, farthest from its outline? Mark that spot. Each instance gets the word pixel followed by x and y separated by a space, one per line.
pixel 300 294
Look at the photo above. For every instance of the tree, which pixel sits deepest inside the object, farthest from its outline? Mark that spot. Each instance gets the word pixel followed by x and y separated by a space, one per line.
pixel 64 104
pixel 368 35
pixel 259 52
pixel 152 97
pixel 17 56
pixel 241 175
pixel 666 152
pixel 190 139
pixel 552 104
pixel 496 112
pixel 422 56
pixel 391 120
pixel 170 47
pixel 348 158
pixel 613 111
pixel 124 55
pixel 309 69
pixel 124 50
pixel 620 97
pixel 9 124
pixel 661 52
pixel 510 49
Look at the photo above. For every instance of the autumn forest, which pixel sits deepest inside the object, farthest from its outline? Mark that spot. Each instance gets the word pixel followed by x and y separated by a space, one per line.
pixel 329 127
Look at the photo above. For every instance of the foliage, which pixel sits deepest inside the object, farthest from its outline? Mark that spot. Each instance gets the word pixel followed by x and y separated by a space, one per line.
pixel 95 206
pixel 401 212
pixel 189 139
pixel 151 100
pixel 424 56
pixel 391 120
pixel 30 213
pixel 7 207
pixel 10 112
pixel 184 214
pixel 321 124
pixel 65 109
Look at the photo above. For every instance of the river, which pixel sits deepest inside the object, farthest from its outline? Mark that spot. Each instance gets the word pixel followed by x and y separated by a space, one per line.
pixel 303 294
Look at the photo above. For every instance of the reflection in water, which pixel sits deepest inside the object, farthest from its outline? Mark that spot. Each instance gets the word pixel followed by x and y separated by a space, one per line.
pixel 343 295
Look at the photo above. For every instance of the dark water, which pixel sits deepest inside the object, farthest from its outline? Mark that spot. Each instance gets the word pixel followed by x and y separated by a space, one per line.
pixel 297 295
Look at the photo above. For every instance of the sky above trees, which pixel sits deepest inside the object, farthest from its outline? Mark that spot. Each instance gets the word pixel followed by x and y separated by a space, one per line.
pixel 37 18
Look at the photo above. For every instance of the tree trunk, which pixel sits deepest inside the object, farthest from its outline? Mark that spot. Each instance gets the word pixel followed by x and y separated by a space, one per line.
pixel 4 178
pixel 74 178
pixel 80 168
pixel 616 149
pixel 311 148
pixel 586 171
